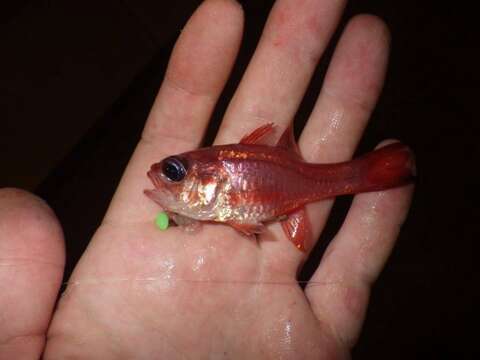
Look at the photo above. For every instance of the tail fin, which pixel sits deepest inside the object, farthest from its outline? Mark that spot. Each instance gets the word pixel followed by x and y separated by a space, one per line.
pixel 390 166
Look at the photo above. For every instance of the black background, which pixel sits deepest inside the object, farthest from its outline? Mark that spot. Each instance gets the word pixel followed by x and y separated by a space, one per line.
pixel 77 80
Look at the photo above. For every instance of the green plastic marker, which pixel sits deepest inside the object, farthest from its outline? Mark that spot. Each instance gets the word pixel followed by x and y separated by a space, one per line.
pixel 162 221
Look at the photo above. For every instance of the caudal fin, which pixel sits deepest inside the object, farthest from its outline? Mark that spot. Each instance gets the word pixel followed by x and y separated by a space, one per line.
pixel 390 166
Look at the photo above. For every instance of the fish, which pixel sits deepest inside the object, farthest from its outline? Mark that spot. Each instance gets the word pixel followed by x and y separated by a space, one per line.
pixel 250 184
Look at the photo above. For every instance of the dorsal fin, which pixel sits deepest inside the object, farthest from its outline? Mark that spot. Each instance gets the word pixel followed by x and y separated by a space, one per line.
pixel 257 136
pixel 287 141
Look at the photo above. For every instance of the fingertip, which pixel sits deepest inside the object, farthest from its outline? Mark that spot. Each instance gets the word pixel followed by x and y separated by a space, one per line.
pixel 31 268
pixel 357 71
pixel 370 24
pixel 232 5
pixel 29 226
pixel 207 46
pixel 229 12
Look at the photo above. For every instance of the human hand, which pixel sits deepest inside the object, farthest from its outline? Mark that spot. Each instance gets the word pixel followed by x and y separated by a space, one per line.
pixel 141 293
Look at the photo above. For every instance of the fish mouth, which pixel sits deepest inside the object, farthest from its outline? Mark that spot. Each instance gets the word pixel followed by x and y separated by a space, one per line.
pixel 154 178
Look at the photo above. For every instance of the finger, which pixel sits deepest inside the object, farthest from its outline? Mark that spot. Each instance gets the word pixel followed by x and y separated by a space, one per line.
pixel 355 258
pixel 351 88
pixel 273 85
pixel 197 72
pixel 350 91
pixel 31 268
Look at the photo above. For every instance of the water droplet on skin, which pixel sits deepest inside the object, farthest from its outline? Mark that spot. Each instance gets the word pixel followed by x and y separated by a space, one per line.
pixel 198 263
pixel 287 333
pixel 336 118
pixel 164 276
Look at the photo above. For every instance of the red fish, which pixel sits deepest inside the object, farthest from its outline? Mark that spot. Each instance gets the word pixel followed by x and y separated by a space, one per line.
pixel 248 184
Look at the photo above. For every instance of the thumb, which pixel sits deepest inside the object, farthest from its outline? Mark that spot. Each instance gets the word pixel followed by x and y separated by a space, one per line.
pixel 31 268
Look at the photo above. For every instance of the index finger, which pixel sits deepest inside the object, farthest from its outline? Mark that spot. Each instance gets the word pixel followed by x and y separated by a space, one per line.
pixel 197 72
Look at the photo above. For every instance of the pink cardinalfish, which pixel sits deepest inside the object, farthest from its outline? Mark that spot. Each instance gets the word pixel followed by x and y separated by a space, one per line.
pixel 248 184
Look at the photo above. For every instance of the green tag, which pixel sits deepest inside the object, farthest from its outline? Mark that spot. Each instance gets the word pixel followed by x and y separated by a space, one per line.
pixel 162 221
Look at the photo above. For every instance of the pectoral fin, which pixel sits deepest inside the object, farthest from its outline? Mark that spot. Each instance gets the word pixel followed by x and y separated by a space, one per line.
pixel 298 230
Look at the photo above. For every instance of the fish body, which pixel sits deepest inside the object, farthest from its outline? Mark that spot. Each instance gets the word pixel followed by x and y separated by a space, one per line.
pixel 249 184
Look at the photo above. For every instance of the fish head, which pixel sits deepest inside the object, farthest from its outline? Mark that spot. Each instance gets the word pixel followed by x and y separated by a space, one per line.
pixel 186 184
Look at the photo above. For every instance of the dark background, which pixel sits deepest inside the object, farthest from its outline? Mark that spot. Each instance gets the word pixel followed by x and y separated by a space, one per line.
pixel 77 80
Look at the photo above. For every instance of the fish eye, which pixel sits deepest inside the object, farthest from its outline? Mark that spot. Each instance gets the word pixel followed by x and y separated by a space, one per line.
pixel 174 169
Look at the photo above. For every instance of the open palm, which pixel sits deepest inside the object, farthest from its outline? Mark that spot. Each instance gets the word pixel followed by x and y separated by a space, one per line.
pixel 138 292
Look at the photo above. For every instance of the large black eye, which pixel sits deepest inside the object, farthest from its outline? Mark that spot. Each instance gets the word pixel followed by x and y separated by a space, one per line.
pixel 174 168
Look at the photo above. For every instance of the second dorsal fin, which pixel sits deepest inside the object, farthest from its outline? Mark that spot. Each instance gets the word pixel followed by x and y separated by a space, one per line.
pixel 287 141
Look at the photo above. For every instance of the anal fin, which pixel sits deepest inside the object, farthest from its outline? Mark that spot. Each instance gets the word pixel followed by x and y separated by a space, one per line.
pixel 298 229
